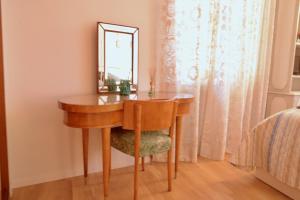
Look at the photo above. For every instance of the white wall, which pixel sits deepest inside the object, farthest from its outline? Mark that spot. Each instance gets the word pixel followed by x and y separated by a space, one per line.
pixel 50 52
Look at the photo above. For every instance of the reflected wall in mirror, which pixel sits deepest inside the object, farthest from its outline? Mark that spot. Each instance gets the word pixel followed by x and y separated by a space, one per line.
pixel 296 71
pixel 117 56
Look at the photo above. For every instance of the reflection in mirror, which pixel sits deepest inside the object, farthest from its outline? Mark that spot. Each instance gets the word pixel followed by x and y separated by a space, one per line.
pixel 117 56
pixel 297 53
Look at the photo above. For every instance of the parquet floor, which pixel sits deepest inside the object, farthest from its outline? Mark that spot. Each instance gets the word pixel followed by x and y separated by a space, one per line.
pixel 204 180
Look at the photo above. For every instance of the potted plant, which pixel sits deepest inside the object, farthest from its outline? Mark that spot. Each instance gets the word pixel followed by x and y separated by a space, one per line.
pixel 111 84
pixel 124 87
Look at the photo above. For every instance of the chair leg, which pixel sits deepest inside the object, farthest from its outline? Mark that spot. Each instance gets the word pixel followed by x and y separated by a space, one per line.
pixel 109 163
pixel 151 159
pixel 137 142
pixel 136 177
pixel 169 170
pixel 143 164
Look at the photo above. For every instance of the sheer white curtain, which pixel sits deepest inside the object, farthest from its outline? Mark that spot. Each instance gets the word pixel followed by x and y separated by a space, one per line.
pixel 220 51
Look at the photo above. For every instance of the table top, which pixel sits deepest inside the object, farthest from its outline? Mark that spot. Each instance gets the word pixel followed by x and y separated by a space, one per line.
pixel 111 102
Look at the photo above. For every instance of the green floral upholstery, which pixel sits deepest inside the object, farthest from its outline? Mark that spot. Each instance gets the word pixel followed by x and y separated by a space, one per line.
pixel 152 142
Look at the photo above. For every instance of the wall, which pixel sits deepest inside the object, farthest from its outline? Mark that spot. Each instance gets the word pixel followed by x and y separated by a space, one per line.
pixel 50 51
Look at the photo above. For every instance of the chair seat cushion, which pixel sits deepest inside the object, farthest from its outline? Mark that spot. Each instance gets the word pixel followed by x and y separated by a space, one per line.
pixel 152 142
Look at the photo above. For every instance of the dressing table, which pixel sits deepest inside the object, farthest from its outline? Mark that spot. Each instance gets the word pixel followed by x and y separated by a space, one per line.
pixel 117 62
pixel 105 111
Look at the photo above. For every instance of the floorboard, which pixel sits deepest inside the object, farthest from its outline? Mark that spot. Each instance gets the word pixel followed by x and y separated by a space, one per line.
pixel 204 180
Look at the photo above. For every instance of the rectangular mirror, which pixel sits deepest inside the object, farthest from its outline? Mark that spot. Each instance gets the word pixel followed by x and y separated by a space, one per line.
pixel 117 56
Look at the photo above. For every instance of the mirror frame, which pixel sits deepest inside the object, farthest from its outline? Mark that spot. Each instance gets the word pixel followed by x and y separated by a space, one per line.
pixel 102 88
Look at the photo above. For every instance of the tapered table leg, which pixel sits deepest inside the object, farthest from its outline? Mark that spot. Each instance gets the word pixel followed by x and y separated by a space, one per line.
pixel 106 157
pixel 178 139
pixel 85 145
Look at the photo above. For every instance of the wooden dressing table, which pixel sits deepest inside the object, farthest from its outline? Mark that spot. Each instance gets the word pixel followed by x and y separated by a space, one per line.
pixel 106 111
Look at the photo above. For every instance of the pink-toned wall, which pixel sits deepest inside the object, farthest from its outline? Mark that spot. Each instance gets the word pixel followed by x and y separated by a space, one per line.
pixel 50 52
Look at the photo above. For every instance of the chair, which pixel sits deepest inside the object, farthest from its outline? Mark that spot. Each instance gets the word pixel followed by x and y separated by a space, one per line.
pixel 143 133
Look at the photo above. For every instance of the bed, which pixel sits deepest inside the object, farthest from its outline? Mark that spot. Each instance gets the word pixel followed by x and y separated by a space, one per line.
pixel 272 148
pixel 264 176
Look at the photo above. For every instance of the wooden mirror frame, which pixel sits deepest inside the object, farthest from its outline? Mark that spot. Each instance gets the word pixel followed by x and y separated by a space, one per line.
pixel 102 88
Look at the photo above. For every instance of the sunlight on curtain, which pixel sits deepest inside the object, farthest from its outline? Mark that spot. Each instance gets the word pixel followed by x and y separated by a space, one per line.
pixel 217 36
pixel 217 50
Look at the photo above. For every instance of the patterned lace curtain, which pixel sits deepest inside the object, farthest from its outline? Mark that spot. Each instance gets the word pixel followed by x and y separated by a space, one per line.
pixel 220 51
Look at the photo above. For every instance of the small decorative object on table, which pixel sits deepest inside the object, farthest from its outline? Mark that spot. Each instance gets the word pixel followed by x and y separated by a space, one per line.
pixel 111 84
pixel 151 92
pixel 124 87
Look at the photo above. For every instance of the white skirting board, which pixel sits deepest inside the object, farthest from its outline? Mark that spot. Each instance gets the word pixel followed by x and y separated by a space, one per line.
pixel 273 182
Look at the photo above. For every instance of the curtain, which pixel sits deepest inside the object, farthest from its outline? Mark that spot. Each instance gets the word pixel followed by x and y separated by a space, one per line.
pixel 220 51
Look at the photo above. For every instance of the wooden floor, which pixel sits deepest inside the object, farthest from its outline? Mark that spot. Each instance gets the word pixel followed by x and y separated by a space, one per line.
pixel 205 180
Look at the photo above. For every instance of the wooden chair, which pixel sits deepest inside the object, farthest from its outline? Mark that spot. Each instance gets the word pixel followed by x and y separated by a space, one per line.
pixel 143 133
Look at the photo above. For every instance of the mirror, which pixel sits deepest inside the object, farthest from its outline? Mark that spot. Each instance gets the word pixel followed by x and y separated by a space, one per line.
pixel 117 56
pixel 296 71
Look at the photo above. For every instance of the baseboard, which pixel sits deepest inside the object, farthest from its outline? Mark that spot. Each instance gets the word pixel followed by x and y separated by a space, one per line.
pixel 43 178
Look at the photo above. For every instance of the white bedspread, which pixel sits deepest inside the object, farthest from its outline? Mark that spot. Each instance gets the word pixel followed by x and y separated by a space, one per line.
pixel 274 145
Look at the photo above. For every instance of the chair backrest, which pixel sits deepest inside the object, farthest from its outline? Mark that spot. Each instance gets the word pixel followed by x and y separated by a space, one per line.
pixel 149 114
